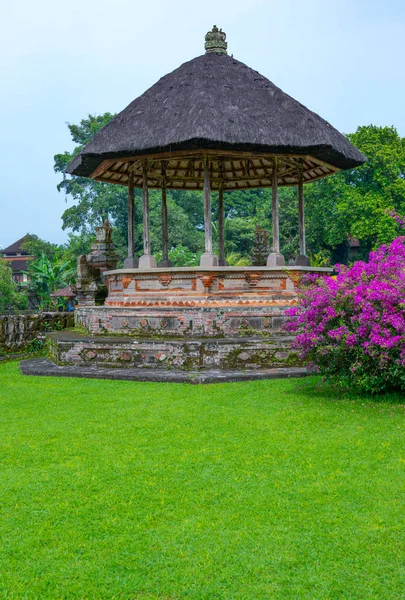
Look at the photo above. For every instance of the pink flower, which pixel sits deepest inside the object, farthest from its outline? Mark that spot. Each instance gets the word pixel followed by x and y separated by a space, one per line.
pixel 359 313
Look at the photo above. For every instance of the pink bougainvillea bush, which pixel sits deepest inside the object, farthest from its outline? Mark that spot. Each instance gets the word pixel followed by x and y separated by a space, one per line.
pixel 352 327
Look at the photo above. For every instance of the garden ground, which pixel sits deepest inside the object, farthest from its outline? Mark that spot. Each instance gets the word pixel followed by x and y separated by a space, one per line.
pixel 270 489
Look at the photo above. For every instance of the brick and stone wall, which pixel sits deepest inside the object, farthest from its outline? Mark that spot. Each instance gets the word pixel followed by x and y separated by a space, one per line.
pixel 194 354
pixel 190 318
pixel 186 321
pixel 192 302
pixel 16 331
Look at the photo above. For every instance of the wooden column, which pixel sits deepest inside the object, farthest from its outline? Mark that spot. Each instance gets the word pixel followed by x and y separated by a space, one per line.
pixel 147 261
pixel 165 240
pixel 208 259
pixel 274 198
pixel 207 209
pixel 131 262
pixel 301 260
pixel 221 225
pixel 165 262
pixel 275 259
pixel 301 212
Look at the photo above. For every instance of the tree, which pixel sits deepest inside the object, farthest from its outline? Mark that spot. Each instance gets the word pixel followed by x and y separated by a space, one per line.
pixel 76 246
pixel 357 202
pixel 35 246
pixel 181 256
pixel 10 297
pixel 47 276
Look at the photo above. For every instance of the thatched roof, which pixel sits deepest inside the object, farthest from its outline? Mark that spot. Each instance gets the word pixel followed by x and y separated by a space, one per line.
pixel 216 104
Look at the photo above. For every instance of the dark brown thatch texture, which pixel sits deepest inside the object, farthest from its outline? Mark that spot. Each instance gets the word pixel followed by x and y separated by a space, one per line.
pixel 216 102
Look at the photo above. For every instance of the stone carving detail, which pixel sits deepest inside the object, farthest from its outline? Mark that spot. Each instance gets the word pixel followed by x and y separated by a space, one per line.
pixel 208 280
pixel 144 323
pixel 126 280
pixel 266 322
pixel 165 279
pixel 102 255
pixel 261 247
pixel 87 282
pixel 253 278
pixel 164 323
pixel 91 287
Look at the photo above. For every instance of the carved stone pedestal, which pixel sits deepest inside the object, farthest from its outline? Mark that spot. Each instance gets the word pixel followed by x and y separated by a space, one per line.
pixel 208 259
pixel 147 261
pixel 165 264
pixel 275 260
pixel 131 262
pixel 302 261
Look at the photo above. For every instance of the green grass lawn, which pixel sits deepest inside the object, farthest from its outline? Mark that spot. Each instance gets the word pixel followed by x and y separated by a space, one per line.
pixel 276 489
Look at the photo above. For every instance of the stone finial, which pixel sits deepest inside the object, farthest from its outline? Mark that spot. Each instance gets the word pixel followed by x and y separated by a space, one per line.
pixel 215 41
pixel 103 233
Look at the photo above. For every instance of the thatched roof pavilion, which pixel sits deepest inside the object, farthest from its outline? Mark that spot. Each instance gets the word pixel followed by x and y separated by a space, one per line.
pixel 214 123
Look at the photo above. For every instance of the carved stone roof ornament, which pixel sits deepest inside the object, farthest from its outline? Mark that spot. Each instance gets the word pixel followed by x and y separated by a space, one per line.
pixel 103 233
pixel 215 41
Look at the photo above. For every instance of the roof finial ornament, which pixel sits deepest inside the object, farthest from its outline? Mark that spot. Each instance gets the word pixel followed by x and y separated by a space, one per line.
pixel 215 41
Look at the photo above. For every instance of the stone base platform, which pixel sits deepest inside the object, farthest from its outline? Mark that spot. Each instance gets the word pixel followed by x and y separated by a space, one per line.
pixel 45 367
pixel 185 354
pixel 185 323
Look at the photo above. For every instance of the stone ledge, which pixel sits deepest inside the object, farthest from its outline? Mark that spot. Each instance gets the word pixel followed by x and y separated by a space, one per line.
pixel 72 337
pixel 45 367
pixel 175 270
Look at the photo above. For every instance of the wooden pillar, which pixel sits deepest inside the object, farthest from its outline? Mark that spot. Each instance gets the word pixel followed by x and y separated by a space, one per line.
pixel 301 260
pixel 131 262
pixel 301 212
pixel 221 226
pixel 274 198
pixel 208 259
pixel 131 215
pixel 275 259
pixel 165 240
pixel 207 209
pixel 145 210
pixel 165 262
pixel 147 261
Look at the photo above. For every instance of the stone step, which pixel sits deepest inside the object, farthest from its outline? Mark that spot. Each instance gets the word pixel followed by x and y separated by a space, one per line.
pixel 192 354
pixel 45 367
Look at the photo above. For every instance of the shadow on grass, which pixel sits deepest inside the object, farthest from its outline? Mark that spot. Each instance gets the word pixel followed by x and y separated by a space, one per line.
pixel 316 387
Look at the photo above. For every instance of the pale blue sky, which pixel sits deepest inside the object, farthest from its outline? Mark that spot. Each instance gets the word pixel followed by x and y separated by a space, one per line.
pixel 344 59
